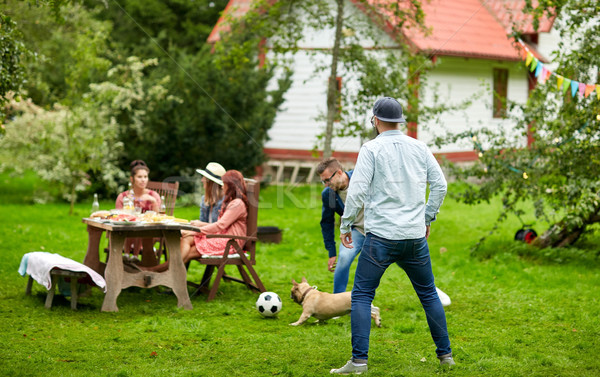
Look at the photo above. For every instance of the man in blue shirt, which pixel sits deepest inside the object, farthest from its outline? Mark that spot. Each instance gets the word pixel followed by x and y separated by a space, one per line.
pixel 333 197
pixel 390 182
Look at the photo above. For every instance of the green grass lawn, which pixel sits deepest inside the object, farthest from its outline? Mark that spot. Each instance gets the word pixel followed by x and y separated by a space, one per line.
pixel 516 312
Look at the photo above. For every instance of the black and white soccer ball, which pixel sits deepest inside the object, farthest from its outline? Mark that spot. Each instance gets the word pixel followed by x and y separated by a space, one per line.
pixel 268 304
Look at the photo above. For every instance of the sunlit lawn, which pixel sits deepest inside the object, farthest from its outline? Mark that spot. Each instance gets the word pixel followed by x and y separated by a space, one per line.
pixel 511 315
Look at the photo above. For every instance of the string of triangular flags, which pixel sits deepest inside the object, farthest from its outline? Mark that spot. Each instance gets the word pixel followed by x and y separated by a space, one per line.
pixel 562 83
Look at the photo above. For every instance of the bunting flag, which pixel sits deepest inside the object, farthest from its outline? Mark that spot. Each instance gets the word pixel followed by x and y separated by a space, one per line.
pixel 559 82
pixel 534 64
pixel 543 74
pixel 574 88
pixel 529 58
pixel 538 69
pixel 566 85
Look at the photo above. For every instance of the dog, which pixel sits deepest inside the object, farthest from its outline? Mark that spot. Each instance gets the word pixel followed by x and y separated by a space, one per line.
pixel 322 305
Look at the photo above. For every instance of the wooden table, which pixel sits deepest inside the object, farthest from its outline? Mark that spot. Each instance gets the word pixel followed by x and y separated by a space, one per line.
pixel 114 274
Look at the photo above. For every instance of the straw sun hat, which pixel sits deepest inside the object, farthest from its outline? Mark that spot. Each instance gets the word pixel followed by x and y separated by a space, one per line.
pixel 214 171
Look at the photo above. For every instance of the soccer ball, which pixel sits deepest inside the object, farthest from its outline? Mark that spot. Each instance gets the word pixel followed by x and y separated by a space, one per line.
pixel 268 304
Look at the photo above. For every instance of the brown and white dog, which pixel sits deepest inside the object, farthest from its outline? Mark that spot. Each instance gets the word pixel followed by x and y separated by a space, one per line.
pixel 322 305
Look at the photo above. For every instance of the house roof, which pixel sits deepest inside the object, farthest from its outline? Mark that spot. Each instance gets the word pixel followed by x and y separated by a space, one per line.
pixel 510 12
pixel 463 28
pixel 235 8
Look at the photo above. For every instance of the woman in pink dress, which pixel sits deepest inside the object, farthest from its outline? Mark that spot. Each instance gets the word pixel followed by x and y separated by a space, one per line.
pixel 145 199
pixel 232 221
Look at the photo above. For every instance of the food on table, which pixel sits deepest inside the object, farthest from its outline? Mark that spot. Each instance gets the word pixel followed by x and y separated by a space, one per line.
pixel 123 217
pixel 153 217
pixel 100 215
pixel 147 217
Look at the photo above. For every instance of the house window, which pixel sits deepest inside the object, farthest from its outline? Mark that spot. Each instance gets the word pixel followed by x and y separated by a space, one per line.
pixel 500 90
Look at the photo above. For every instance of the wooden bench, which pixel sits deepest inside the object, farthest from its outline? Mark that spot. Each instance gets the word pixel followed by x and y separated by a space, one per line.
pixel 55 274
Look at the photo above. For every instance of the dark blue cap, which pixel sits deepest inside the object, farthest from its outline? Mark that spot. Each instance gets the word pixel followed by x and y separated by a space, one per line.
pixel 388 109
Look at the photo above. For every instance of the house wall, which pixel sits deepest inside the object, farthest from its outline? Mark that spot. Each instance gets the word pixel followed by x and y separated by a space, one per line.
pixel 303 115
pixel 456 80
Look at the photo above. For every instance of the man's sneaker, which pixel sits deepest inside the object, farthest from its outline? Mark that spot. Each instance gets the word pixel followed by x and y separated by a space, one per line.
pixel 350 368
pixel 447 361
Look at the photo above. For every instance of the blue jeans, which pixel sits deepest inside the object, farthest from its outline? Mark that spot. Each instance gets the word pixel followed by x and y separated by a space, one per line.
pixel 413 257
pixel 344 260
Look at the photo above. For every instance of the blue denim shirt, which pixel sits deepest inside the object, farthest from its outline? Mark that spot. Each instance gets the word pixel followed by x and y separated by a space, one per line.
pixel 208 214
pixel 332 204
pixel 390 180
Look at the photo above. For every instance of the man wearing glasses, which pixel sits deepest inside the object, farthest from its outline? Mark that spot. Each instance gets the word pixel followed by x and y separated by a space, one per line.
pixel 337 181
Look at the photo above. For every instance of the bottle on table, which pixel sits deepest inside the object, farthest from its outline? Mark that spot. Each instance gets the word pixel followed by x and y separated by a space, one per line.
pixel 163 206
pixel 129 200
pixel 126 205
pixel 95 204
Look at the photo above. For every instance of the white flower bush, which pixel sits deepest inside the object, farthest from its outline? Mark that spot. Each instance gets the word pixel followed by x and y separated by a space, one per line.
pixel 64 144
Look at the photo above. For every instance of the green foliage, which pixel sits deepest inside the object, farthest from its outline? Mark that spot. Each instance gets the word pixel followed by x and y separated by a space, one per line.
pixel 150 28
pixel 222 102
pixel 68 50
pixel 64 144
pixel 559 170
pixel 228 103
pixel 11 67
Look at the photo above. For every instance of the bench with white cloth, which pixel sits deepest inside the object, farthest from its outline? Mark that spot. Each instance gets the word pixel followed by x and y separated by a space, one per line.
pixel 47 268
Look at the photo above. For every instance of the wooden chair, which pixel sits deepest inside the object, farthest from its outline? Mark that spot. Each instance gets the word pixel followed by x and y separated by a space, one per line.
pixel 244 259
pixel 169 191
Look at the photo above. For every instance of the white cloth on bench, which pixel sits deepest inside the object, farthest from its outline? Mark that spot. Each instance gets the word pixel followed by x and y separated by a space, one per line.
pixel 38 265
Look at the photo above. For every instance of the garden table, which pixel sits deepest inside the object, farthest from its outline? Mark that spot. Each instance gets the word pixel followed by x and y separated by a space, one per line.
pixel 117 278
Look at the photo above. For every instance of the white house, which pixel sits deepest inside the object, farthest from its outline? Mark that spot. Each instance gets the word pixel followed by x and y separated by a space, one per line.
pixel 471 45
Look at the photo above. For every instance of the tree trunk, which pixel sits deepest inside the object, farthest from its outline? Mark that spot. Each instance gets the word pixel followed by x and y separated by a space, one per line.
pixel 560 236
pixel 332 88
pixel 72 199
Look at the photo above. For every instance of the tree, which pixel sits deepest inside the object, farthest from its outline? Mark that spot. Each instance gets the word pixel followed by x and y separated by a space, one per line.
pixel 67 51
pixel 368 68
pixel 149 28
pixel 65 144
pixel 228 100
pixel 11 68
pixel 559 170
pixel 332 86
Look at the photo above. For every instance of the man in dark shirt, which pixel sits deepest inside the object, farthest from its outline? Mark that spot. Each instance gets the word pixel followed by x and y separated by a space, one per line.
pixel 334 196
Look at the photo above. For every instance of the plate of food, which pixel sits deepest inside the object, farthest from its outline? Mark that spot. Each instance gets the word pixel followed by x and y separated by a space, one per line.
pixel 124 222
pixel 124 219
pixel 100 215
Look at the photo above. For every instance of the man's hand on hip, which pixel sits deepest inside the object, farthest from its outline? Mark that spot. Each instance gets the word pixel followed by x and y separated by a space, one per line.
pixel 331 264
pixel 346 239
pixel 427 229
